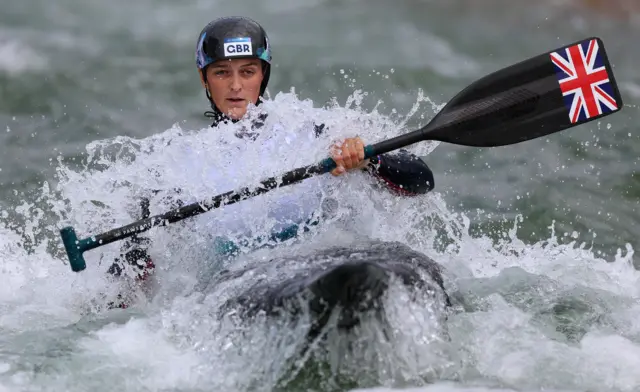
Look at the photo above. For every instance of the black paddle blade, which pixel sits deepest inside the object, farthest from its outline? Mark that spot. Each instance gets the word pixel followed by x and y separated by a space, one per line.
pixel 545 94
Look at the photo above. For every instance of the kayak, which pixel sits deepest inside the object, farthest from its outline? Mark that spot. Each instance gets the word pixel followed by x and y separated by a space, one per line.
pixel 351 280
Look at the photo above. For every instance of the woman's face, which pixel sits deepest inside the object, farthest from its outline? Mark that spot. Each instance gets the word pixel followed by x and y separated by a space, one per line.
pixel 233 84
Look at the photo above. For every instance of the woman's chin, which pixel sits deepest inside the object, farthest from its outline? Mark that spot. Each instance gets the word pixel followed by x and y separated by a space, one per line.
pixel 236 113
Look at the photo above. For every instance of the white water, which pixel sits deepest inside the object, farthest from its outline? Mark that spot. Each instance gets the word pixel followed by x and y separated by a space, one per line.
pixel 535 316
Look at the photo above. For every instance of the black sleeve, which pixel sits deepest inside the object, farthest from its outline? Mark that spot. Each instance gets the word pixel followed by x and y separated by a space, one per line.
pixel 403 172
pixel 134 249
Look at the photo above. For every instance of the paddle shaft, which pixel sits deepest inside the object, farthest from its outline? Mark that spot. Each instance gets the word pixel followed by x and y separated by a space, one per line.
pixel 289 178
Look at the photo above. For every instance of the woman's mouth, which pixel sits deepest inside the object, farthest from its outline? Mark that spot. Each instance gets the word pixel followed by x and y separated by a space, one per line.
pixel 235 102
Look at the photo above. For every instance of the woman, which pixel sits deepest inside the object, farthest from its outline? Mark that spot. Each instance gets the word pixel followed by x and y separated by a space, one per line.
pixel 233 58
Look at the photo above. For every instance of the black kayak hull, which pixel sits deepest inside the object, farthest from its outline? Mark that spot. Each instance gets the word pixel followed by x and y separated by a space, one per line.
pixel 352 280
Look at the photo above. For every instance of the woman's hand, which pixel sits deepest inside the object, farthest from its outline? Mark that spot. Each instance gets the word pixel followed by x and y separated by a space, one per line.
pixel 348 156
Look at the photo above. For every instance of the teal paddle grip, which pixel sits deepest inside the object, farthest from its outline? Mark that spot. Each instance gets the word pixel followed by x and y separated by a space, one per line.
pixel 75 248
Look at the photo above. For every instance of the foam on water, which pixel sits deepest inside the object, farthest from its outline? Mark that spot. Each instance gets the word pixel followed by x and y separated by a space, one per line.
pixel 17 57
pixel 527 316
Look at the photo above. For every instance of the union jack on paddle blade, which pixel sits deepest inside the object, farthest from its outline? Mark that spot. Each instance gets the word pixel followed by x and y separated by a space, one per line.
pixel 586 80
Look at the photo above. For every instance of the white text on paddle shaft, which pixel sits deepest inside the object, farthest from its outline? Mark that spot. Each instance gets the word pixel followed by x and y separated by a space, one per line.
pixel 237 47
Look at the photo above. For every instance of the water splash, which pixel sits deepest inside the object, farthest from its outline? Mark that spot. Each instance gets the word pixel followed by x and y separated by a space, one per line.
pixel 546 315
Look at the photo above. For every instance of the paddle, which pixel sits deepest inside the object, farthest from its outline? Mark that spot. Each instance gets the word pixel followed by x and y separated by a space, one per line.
pixel 545 94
